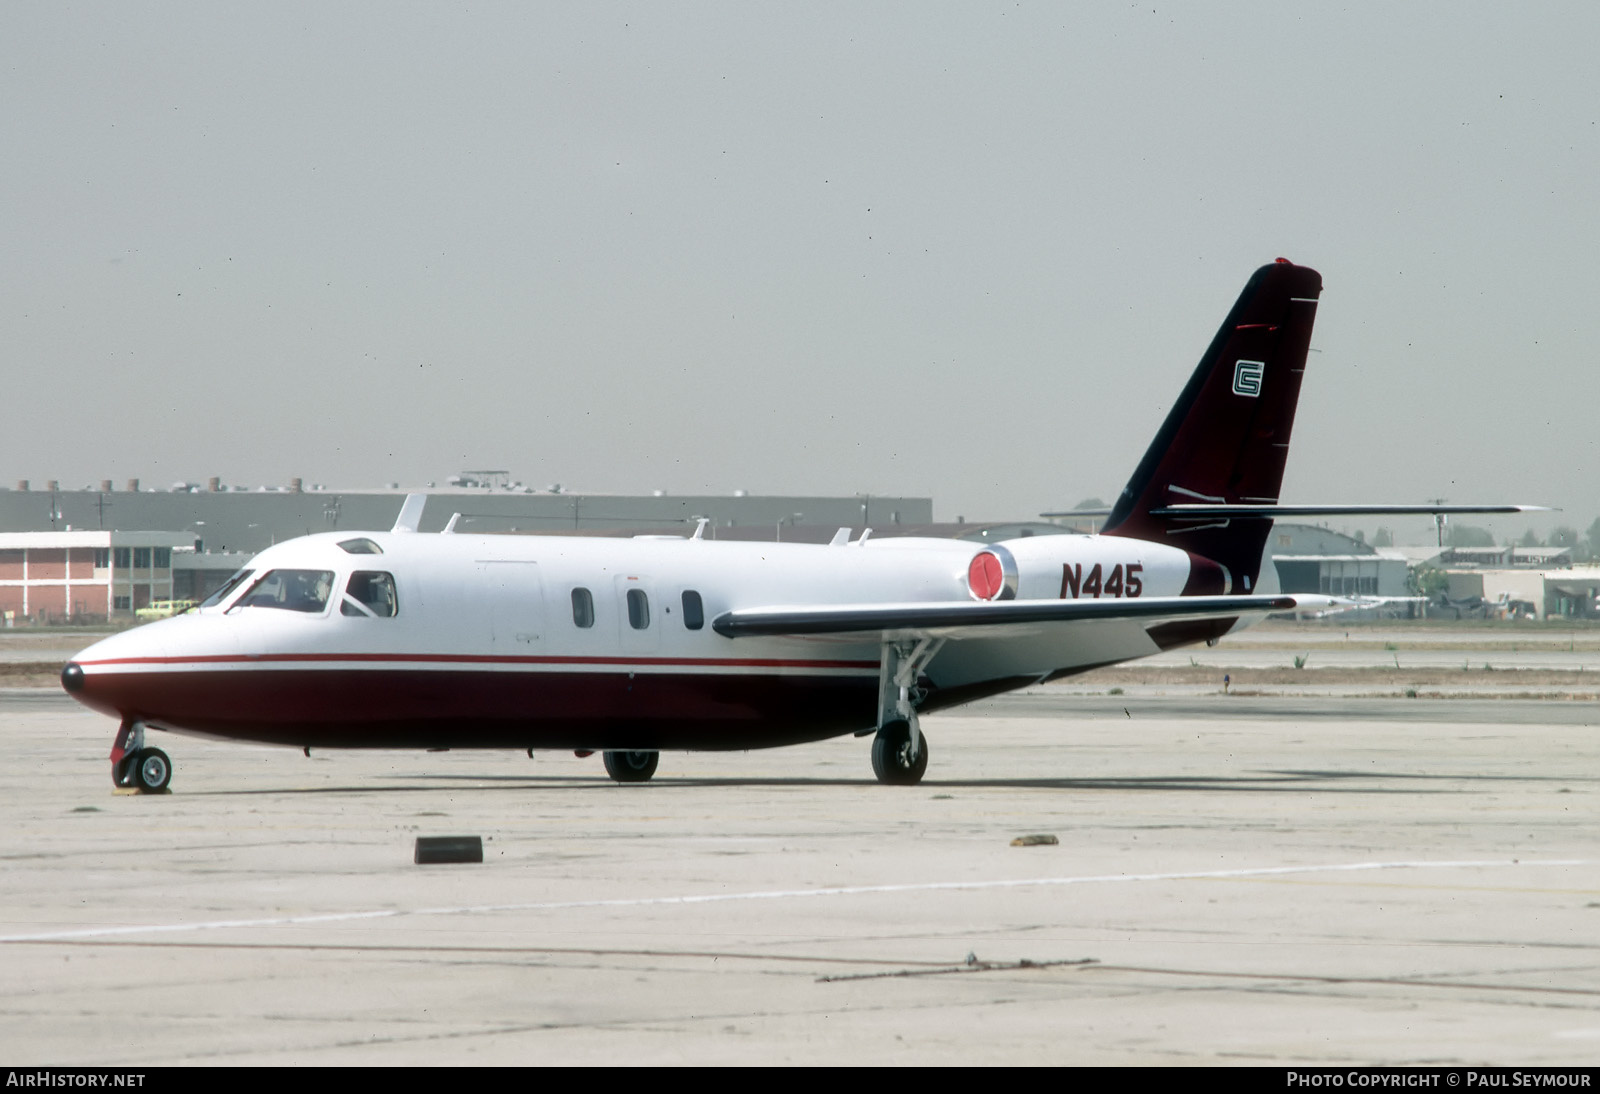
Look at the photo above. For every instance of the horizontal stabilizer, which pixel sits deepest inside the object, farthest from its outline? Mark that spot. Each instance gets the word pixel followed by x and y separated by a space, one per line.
pixel 945 617
pixel 1275 512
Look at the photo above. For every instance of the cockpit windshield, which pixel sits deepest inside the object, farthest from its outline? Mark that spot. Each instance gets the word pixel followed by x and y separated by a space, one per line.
pixel 227 587
pixel 290 590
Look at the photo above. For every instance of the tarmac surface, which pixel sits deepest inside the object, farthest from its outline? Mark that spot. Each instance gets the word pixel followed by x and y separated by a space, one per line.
pixel 1237 880
pixel 1238 656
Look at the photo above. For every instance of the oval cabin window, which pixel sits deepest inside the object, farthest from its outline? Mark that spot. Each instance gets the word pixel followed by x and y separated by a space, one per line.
pixel 638 609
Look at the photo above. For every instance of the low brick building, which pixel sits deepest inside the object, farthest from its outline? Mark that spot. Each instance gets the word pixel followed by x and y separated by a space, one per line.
pixel 55 577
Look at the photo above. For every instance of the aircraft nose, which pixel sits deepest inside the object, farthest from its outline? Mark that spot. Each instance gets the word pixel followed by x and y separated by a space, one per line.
pixel 86 677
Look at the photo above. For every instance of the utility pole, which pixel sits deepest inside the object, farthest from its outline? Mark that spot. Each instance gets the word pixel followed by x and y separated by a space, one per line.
pixel 1439 520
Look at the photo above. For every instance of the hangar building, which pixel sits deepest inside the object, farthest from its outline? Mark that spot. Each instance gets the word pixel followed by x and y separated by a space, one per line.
pixel 86 555
pixel 221 519
pixel 1312 559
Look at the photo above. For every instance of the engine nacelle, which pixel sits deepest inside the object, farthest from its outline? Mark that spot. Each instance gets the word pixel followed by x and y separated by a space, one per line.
pixel 1090 568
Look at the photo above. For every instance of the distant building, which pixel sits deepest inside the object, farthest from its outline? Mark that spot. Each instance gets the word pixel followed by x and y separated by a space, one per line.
pixel 196 575
pixel 1312 559
pixel 1571 592
pixel 1508 581
pixel 1501 558
pixel 233 520
pixel 53 577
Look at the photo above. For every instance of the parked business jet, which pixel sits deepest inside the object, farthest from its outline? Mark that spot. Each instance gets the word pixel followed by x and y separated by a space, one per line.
pixel 403 640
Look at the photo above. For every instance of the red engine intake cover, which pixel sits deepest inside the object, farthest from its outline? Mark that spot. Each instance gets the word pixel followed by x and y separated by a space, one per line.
pixel 986 576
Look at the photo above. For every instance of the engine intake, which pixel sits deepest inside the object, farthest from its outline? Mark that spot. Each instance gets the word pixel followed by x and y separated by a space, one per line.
pixel 992 575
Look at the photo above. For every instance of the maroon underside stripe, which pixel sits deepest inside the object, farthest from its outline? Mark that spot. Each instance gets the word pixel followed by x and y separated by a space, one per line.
pixel 477 659
pixel 406 707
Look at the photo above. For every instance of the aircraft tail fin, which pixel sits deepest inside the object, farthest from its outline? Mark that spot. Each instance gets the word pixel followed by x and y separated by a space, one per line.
pixel 1227 437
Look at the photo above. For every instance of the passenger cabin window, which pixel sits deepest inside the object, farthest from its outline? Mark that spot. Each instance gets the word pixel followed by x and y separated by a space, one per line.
pixel 290 590
pixel 582 608
pixel 638 609
pixel 361 546
pixel 227 587
pixel 694 612
pixel 370 593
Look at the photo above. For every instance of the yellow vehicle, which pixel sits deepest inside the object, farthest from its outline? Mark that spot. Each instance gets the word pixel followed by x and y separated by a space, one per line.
pixel 162 609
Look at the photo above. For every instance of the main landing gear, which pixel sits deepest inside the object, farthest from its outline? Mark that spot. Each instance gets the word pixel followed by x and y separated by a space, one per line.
pixel 632 767
pixel 899 754
pixel 136 767
pixel 900 751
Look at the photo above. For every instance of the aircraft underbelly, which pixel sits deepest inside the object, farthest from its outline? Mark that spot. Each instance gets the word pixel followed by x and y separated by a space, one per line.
pixel 1040 653
pixel 404 707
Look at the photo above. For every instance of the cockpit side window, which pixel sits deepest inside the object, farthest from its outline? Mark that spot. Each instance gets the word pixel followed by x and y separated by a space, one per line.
pixel 227 587
pixel 291 590
pixel 370 593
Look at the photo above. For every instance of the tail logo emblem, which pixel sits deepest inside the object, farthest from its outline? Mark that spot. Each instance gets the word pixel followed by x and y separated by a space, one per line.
pixel 1247 378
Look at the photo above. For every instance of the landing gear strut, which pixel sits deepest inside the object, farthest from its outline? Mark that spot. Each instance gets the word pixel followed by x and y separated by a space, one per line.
pixel 632 767
pixel 900 751
pixel 135 767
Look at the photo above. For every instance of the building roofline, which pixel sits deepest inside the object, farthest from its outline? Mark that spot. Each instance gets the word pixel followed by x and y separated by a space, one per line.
pixel 44 541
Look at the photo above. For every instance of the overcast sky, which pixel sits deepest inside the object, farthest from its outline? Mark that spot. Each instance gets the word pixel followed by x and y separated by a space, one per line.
pixel 967 251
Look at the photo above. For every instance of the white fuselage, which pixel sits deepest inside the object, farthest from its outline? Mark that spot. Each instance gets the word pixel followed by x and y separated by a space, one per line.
pixel 533 641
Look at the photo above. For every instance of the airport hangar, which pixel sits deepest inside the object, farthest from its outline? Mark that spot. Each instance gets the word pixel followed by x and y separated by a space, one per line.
pixel 88 555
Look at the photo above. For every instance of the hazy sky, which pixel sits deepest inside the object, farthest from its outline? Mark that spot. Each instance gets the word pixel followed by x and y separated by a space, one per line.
pixel 968 251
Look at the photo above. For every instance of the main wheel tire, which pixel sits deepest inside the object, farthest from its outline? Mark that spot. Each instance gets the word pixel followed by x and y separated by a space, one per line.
pixel 891 756
pixel 122 771
pixel 152 771
pixel 632 767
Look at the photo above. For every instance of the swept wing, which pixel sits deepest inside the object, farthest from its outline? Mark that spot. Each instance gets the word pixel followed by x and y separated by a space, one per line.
pixel 955 618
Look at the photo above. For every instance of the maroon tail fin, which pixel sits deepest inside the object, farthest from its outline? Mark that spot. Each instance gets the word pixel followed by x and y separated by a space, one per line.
pixel 1227 436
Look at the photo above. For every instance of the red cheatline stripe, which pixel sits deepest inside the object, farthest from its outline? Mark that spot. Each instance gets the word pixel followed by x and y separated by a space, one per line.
pixel 471 659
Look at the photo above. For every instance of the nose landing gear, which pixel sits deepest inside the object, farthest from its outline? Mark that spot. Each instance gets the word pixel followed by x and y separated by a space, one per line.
pixel 136 767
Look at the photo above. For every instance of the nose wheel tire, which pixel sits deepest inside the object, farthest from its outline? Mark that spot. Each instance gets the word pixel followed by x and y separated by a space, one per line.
pixel 892 761
pixel 154 771
pixel 632 767
pixel 148 771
